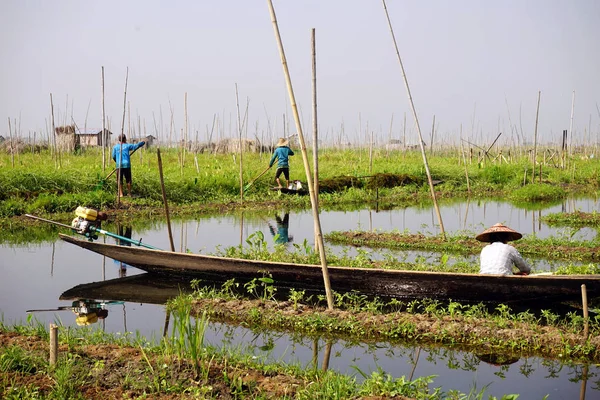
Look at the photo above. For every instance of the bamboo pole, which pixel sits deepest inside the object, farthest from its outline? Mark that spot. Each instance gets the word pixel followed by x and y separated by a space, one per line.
pixel 537 113
pixel 371 154
pixel 432 131
pixel 311 189
pixel 164 196
pixel 390 136
pixel 53 344
pixel 53 132
pixel 412 105
pixel 104 133
pixel 586 321
pixel 464 161
pixel 569 148
pixel 404 132
pixel 237 102
pixel 313 42
pixel 119 183
pixel 12 149
pixel 185 130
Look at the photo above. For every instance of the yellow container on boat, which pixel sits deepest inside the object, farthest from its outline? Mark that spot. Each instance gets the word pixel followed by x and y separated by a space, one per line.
pixel 86 213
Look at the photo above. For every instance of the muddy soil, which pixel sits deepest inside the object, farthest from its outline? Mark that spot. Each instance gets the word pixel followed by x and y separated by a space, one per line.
pixel 106 371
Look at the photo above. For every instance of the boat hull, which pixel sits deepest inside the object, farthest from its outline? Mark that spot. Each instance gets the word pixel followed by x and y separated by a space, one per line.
pixel 368 281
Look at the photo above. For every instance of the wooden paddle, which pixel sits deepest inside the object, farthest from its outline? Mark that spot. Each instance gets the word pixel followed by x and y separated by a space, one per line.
pixel 255 179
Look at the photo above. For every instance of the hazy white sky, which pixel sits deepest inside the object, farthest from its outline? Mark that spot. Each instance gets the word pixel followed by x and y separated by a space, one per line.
pixel 465 62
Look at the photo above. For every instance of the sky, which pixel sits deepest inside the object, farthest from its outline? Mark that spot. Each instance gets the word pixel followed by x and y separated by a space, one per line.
pixel 477 66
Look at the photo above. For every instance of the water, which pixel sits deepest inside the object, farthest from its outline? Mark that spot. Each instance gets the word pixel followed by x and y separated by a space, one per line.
pixel 35 276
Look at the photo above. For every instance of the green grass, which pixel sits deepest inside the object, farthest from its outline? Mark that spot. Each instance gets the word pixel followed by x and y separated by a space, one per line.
pixel 38 184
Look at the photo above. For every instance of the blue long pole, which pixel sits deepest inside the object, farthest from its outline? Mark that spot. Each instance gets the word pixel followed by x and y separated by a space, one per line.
pixel 125 239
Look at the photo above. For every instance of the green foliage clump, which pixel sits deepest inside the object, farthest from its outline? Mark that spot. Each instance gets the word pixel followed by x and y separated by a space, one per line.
pixel 538 192
pixel 499 174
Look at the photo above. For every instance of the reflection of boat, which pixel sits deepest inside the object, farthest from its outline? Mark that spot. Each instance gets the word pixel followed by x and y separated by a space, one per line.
pixel 142 288
pixel 370 281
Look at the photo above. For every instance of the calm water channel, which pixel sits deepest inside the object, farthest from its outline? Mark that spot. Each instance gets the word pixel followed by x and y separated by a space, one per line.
pixel 33 278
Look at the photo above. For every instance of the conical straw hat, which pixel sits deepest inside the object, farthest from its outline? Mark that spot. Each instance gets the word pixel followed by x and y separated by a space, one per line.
pixel 509 234
pixel 282 142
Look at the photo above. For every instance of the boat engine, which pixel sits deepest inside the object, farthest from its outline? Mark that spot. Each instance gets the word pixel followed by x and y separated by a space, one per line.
pixel 87 220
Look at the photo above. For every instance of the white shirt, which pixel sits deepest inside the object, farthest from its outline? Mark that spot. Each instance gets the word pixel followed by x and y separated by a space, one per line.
pixel 498 259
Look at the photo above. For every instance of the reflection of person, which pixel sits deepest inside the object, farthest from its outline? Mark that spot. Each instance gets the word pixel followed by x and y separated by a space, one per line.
pixel 88 312
pixel 126 233
pixel 121 155
pixel 281 232
pixel 282 153
pixel 498 258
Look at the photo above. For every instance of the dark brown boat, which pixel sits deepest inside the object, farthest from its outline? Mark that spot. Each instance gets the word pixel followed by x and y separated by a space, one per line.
pixel 369 281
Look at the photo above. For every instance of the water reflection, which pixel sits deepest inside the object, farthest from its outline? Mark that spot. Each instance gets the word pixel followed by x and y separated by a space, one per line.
pixel 86 311
pixel 280 230
pixel 125 232
pixel 532 377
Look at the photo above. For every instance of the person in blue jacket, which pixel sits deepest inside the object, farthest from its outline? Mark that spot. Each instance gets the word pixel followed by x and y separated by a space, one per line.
pixel 121 153
pixel 282 153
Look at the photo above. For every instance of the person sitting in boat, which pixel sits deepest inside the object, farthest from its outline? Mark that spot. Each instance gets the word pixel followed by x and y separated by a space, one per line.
pixel 498 257
pixel 281 154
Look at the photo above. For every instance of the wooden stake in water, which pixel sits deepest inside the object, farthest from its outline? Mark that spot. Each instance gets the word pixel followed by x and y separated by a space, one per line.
pixel 537 113
pixel 412 105
pixel 311 188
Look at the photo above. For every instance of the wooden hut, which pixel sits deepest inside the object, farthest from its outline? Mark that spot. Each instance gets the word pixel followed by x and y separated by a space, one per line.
pixel 92 138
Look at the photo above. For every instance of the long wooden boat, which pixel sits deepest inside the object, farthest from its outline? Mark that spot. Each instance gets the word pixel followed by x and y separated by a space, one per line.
pixel 369 281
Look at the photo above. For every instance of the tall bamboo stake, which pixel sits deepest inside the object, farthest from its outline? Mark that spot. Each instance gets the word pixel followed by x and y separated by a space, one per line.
pixel 537 113
pixel 53 132
pixel 571 124
pixel 313 46
pixel 390 136
pixel 404 131
pixel 464 161
pixel 119 183
pixel 185 132
pixel 12 146
pixel 311 188
pixel 237 102
pixel 431 141
pixel 164 196
pixel 412 105
pixel 104 133
pixel 371 154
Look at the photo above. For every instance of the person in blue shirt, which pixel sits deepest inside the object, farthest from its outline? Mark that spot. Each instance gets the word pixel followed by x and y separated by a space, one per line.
pixel 281 154
pixel 121 153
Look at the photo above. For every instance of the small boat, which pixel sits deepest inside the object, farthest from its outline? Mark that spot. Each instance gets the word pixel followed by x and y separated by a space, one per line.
pixel 386 283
